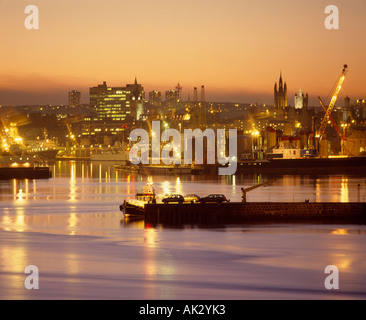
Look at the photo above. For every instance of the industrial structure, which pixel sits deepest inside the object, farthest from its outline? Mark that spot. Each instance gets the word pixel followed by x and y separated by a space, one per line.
pixel 265 132
pixel 321 134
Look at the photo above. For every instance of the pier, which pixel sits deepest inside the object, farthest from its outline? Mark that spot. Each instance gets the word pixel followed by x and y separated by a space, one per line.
pixel 25 173
pixel 264 212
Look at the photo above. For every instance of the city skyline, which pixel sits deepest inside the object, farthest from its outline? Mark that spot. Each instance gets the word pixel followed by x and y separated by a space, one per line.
pixel 237 49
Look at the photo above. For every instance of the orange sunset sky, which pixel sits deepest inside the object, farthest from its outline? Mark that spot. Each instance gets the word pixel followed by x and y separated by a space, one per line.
pixel 236 48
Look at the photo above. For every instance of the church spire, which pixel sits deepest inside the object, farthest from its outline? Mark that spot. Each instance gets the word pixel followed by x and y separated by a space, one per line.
pixel 281 83
pixel 280 93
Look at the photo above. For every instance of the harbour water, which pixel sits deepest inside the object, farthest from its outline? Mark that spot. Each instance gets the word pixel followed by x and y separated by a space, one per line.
pixel 71 228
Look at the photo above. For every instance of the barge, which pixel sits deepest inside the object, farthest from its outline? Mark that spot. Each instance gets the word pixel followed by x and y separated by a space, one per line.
pixel 304 166
pixel 146 207
pixel 243 212
pixel 136 207
pixel 23 166
pixel 22 173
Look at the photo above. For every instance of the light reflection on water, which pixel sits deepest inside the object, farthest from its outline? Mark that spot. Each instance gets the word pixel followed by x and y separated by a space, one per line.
pixel 83 188
pixel 337 188
pixel 83 200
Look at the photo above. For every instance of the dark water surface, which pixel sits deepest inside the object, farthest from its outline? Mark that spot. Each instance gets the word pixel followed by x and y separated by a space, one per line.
pixel 70 227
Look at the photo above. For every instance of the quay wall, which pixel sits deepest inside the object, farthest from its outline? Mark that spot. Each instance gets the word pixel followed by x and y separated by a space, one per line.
pixel 25 173
pixel 259 211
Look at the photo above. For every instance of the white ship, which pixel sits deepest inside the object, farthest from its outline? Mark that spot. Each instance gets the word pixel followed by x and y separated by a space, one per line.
pixel 47 150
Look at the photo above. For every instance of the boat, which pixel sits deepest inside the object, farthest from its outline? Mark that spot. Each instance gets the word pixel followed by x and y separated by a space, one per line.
pixel 25 173
pixel 127 168
pixel 22 166
pixel 304 166
pixel 46 150
pixel 9 160
pixel 136 206
pixel 47 155
pixel 165 170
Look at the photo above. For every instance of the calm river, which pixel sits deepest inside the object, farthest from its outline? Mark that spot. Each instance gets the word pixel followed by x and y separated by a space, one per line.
pixel 71 228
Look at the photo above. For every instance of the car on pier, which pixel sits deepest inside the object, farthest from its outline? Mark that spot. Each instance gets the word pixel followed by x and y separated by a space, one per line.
pixel 192 198
pixel 173 198
pixel 214 198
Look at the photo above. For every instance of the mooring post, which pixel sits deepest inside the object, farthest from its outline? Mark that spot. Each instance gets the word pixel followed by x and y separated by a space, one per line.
pixel 244 197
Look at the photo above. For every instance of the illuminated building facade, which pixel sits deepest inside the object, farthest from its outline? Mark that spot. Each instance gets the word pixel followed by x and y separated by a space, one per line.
pixel 155 98
pixel 171 98
pixel 120 104
pixel 301 100
pixel 360 106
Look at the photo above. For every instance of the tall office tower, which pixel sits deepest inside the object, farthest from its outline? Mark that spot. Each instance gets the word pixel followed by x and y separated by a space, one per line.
pixel 171 99
pixel 301 100
pixel 155 98
pixel 360 108
pixel 74 98
pixel 280 95
pixel 111 104
pixel 117 103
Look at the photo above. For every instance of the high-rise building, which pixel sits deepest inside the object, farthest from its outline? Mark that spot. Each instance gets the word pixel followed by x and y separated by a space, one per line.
pixel 280 94
pixel 155 98
pixel 74 98
pixel 360 108
pixel 110 103
pixel 117 103
pixel 171 98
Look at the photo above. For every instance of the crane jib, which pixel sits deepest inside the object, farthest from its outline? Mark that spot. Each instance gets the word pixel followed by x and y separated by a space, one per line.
pixel 333 101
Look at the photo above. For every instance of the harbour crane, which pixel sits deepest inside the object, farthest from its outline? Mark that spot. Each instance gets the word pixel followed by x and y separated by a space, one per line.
pixel 328 111
pixel 342 137
pixel 69 121
pixel 330 108
pixel 246 190
pixel 331 120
